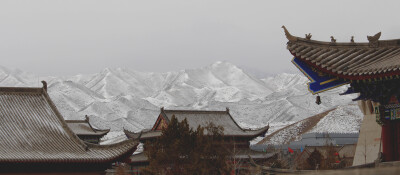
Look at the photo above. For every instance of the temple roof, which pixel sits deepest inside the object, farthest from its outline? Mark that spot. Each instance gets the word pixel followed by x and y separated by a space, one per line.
pixel 202 118
pixel 145 134
pixel 354 61
pixel 218 118
pixel 33 130
pixel 83 127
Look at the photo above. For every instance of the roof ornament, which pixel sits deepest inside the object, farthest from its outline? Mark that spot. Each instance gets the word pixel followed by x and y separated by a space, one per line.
pixel 162 109
pixel 352 39
pixel 227 109
pixel 308 36
pixel 333 40
pixel 373 40
pixel 44 85
pixel 288 35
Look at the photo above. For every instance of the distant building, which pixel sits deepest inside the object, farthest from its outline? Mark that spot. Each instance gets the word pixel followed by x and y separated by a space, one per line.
pixel 321 139
pixel 84 130
pixel 315 139
pixel 35 138
pixel 343 155
pixel 233 133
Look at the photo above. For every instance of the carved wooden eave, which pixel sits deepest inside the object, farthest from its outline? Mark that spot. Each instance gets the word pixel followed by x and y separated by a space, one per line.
pixel 349 60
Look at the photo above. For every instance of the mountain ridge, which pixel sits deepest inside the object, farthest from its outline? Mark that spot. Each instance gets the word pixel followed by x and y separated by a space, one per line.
pixel 123 98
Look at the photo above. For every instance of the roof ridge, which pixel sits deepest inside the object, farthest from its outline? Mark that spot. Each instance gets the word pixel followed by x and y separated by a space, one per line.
pixel 115 145
pixel 21 89
pixel 373 41
pixel 76 121
pixel 382 43
pixel 62 120
pixel 199 111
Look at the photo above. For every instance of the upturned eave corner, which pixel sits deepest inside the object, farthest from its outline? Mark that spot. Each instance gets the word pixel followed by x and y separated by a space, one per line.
pixel 289 36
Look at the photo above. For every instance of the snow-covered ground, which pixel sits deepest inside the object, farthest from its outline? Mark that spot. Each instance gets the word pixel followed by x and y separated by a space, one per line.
pixel 345 119
pixel 121 98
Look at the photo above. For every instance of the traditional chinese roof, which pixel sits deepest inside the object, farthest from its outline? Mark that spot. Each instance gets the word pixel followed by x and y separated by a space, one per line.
pixel 218 118
pixel 33 131
pixel 350 60
pixel 202 118
pixel 139 158
pixel 144 135
pixel 84 128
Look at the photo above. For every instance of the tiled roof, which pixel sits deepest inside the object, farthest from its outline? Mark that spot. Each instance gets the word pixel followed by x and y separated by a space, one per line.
pixel 83 127
pixel 32 130
pixel 218 118
pixel 202 118
pixel 144 135
pixel 354 61
pixel 140 157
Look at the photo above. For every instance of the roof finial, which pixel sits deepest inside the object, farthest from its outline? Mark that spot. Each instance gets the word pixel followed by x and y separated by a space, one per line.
pixel 227 109
pixel 352 39
pixel 288 35
pixel 162 109
pixel 373 40
pixel 44 85
pixel 308 36
pixel 333 40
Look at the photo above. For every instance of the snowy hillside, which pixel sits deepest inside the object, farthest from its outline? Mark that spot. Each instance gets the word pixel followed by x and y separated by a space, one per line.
pixel 343 119
pixel 121 98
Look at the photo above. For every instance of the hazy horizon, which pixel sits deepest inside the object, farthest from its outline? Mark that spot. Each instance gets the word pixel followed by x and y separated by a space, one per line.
pixel 62 38
pixel 252 72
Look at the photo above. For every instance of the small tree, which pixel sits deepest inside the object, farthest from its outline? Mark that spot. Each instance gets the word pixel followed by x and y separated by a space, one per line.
pixel 315 159
pixel 330 156
pixel 180 150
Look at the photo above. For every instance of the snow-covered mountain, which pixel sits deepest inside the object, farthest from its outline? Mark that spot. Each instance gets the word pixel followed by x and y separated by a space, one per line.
pixel 121 98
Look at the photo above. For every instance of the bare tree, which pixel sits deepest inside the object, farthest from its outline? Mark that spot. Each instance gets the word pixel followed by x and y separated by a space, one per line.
pixel 236 159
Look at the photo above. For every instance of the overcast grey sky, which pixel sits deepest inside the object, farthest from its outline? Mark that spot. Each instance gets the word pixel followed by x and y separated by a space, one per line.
pixel 54 37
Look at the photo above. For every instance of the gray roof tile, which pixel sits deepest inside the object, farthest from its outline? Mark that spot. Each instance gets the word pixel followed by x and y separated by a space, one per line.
pixel 349 60
pixel 83 127
pixel 32 130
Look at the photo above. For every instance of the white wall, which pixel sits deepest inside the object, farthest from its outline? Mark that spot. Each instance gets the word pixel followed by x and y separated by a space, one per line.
pixel 368 144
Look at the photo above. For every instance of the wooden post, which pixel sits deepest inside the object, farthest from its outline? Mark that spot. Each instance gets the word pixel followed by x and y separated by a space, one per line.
pixel 387 141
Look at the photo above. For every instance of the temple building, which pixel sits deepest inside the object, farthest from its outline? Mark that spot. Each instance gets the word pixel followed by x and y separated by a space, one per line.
pixel 232 133
pixel 370 69
pixel 35 139
pixel 85 131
